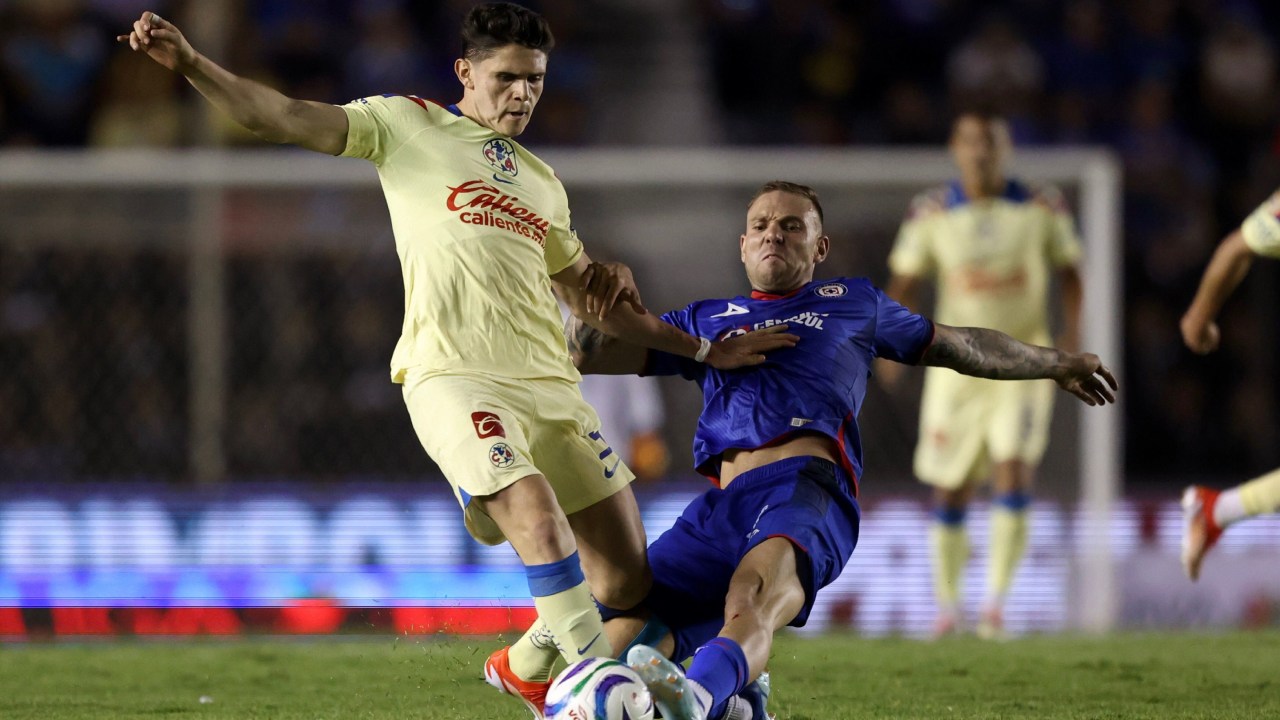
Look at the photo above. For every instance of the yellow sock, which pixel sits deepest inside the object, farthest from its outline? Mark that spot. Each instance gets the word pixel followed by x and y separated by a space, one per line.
pixel 950 545
pixel 534 654
pixel 1008 544
pixel 574 621
pixel 1261 496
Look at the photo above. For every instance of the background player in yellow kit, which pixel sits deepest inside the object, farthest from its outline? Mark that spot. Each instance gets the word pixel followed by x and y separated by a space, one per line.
pixel 992 246
pixel 482 229
pixel 1208 512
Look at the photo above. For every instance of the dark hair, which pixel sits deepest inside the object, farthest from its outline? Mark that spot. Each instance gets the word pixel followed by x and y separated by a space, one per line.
pixel 981 112
pixel 493 25
pixel 803 191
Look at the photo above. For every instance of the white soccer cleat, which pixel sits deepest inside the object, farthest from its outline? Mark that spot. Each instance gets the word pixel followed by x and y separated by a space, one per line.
pixel 1199 530
pixel 673 693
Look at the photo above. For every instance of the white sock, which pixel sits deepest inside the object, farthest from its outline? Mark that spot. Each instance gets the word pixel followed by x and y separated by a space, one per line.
pixel 703 696
pixel 1229 508
pixel 738 709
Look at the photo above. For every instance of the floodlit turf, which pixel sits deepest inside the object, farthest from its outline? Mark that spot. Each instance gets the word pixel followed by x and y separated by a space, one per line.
pixel 1153 676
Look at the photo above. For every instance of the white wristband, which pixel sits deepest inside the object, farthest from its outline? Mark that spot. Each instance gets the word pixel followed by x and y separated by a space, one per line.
pixel 703 350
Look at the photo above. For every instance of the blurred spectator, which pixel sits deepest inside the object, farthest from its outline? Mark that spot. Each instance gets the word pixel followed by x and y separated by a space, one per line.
pixel 1153 49
pixel 1082 65
pixel 997 68
pixel 387 56
pixel 52 53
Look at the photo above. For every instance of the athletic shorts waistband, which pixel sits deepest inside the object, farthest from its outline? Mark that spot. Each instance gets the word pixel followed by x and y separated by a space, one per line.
pixel 788 466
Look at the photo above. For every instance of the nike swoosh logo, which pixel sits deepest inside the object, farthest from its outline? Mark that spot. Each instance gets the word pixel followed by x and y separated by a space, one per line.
pixel 503 180
pixel 608 473
pixel 733 310
pixel 582 650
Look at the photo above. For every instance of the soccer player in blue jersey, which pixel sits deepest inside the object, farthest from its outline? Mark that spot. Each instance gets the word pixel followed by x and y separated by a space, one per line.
pixel 780 441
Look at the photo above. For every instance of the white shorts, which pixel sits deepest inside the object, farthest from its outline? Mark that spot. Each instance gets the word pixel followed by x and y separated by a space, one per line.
pixel 969 424
pixel 486 432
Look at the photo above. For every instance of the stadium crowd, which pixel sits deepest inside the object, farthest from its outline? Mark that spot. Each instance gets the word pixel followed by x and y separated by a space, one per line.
pixel 1184 91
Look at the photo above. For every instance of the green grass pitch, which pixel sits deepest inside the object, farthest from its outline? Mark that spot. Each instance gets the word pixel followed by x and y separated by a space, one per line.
pixel 1129 676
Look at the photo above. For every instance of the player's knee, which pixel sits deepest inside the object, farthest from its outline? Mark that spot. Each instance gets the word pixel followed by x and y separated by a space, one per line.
pixel 620 590
pixel 542 534
pixel 747 593
pixel 952 499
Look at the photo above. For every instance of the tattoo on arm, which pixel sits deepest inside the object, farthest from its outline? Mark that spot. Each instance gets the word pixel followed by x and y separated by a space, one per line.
pixel 583 339
pixel 990 354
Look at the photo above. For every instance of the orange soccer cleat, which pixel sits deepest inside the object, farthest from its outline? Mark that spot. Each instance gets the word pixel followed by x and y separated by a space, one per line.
pixel 497 672
pixel 1200 531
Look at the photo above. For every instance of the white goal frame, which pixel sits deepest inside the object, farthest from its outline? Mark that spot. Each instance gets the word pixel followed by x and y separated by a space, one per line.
pixel 210 172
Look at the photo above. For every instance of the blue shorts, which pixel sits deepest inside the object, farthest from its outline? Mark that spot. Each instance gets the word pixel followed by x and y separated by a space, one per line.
pixel 802 499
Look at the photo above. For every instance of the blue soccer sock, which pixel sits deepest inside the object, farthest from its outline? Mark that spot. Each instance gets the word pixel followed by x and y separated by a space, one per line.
pixel 720 667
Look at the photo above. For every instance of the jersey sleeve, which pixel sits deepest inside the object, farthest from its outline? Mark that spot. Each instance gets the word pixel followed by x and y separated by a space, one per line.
pixel 1261 230
pixel 664 363
pixel 901 335
pixel 563 246
pixel 912 254
pixel 1064 243
pixel 377 126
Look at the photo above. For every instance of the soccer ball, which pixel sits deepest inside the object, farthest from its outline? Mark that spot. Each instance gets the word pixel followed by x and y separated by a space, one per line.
pixel 599 689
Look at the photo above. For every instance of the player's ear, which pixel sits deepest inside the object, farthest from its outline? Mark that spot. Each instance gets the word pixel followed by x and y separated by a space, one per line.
pixel 462 68
pixel 821 249
pixel 742 247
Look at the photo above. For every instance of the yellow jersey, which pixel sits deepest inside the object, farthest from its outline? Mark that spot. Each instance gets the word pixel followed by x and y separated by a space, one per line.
pixel 991 259
pixel 1261 230
pixel 480 225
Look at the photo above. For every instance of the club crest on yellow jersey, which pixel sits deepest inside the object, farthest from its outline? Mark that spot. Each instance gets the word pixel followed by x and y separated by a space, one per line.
pixel 501 455
pixel 501 156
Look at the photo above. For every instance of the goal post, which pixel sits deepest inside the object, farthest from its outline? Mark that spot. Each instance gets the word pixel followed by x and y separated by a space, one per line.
pixel 675 213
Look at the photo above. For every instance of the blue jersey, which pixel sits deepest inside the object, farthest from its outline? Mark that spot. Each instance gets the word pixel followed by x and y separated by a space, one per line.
pixel 815 387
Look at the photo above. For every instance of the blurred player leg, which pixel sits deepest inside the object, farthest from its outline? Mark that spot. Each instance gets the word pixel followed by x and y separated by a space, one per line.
pixel 1207 513
pixel 949 544
pixel 949 547
pixel 952 457
pixel 1019 434
pixel 1009 510
pixel 1257 497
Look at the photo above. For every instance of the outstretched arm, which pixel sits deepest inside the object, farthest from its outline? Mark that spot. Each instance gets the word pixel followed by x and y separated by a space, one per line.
pixel 1228 267
pixel 629 321
pixel 268 114
pixel 992 354
pixel 595 353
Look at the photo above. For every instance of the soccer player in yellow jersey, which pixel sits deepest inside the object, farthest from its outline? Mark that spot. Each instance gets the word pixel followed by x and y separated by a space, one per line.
pixel 992 246
pixel 1208 512
pixel 482 230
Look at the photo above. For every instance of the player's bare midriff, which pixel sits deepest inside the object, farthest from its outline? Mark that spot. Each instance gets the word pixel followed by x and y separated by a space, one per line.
pixel 737 461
